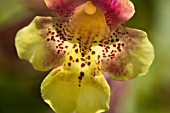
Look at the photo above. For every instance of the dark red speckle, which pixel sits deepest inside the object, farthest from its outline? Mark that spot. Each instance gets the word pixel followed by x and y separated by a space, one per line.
pixel 76 51
pixel 69 64
pixel 71 58
pixel 83 64
pixel 88 63
pixel 77 60
pixel 93 52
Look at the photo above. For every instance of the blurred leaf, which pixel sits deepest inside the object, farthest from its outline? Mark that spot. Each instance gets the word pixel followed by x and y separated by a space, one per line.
pixel 11 11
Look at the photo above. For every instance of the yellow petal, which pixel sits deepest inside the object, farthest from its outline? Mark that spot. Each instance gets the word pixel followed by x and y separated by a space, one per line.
pixel 40 44
pixel 76 86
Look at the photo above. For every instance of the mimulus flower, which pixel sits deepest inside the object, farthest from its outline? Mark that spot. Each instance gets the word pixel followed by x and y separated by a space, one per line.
pixel 85 39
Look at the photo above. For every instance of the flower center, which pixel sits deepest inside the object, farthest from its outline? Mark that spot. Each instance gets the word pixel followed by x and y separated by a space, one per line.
pixel 90 8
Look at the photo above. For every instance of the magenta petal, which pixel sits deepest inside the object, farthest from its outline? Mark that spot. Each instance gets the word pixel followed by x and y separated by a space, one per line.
pixel 63 7
pixel 116 11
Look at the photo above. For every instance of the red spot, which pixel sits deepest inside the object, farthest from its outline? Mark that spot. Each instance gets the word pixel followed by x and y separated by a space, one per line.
pixel 60 44
pixel 74 45
pixel 107 47
pixel 69 64
pixel 48 39
pixel 82 54
pixel 98 57
pixel 83 64
pixel 88 63
pixel 66 47
pixel 76 50
pixel 114 45
pixel 98 62
pixel 88 57
pixel 80 77
pixel 52 38
pixel 58 51
pixel 123 44
pixel 71 58
pixel 100 45
pixel 98 68
pixel 81 74
pixel 77 60
pixel 93 52
pixel 82 59
pixel 52 33
pixel 61 47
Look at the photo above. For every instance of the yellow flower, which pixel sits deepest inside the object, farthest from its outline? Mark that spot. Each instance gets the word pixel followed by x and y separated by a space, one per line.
pixel 84 39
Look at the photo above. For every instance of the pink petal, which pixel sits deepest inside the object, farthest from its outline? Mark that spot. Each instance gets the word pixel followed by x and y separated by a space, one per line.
pixel 63 7
pixel 116 11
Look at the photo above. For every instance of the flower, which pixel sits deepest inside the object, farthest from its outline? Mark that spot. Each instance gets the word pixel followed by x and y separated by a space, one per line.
pixel 84 39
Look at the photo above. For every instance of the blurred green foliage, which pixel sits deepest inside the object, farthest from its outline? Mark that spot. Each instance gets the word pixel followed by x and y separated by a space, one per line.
pixel 19 83
pixel 11 12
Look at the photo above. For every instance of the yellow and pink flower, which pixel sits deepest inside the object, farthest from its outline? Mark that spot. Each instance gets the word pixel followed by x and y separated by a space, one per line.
pixel 85 39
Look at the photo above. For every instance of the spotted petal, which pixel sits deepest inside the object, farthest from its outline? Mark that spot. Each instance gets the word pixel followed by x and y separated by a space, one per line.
pixel 74 87
pixel 40 44
pixel 127 54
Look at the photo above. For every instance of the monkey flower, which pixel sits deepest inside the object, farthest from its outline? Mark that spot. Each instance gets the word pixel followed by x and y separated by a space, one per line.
pixel 85 39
